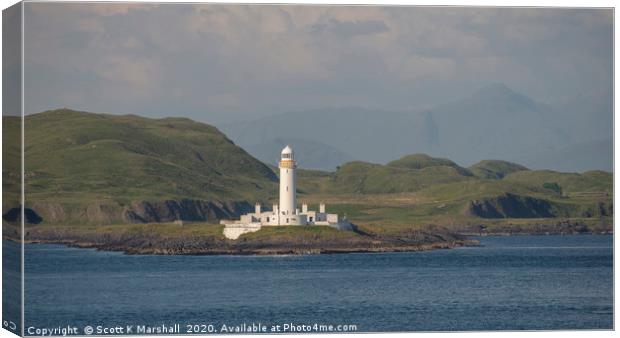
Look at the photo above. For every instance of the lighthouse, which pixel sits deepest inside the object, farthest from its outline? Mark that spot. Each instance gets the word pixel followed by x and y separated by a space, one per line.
pixel 285 213
pixel 288 202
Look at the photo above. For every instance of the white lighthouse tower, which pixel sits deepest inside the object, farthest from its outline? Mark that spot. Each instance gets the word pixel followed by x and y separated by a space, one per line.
pixel 285 213
pixel 288 202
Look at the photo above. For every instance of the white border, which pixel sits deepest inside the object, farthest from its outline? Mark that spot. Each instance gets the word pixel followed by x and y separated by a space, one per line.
pixel 491 3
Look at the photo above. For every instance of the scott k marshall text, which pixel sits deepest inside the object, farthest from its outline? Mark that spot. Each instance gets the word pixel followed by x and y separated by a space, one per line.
pixel 188 328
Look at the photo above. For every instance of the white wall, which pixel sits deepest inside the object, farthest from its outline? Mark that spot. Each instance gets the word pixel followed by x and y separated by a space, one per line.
pixel 288 202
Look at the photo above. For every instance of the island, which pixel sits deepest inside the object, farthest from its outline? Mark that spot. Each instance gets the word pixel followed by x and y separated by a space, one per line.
pixel 172 186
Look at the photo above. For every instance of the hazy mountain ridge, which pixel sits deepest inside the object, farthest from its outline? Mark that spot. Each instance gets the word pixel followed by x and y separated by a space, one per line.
pixel 493 122
pixel 350 130
pixel 309 154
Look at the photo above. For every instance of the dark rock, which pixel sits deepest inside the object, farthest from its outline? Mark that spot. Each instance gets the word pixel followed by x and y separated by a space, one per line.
pixel 510 206
pixel 185 210
pixel 14 215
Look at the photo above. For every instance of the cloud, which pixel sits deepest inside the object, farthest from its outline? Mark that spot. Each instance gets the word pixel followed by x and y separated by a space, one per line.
pixel 418 67
pixel 348 29
pixel 261 59
pixel 99 9
pixel 143 73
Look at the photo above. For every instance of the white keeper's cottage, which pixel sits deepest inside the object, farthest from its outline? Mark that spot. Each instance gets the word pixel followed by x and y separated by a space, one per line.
pixel 286 212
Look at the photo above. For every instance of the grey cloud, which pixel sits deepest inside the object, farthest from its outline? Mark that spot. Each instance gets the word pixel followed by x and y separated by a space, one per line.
pixel 349 29
pixel 227 62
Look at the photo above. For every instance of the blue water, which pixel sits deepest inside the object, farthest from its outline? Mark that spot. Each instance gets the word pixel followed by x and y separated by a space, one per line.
pixel 511 283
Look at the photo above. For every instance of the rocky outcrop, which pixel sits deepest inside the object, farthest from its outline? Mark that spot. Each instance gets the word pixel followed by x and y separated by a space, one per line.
pixel 601 209
pixel 186 210
pixel 559 227
pixel 510 206
pixel 52 212
pixel 99 213
pixel 14 215
pixel 514 206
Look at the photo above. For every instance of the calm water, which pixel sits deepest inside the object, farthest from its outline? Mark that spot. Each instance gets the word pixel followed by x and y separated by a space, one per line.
pixel 512 283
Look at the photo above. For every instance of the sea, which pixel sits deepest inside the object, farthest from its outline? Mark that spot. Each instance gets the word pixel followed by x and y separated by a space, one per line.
pixel 507 283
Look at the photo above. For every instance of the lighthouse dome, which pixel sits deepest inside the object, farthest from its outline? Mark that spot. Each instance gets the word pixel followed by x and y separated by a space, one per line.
pixel 287 152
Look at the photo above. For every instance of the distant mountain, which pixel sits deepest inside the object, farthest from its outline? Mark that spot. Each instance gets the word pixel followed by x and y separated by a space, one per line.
pixel 587 117
pixel 309 154
pixel 578 157
pixel 372 135
pixel 496 122
pixel 493 122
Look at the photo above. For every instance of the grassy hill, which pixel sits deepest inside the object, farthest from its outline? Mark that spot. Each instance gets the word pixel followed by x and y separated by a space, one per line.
pixel 95 169
pixel 11 157
pixel 419 189
pixel 421 161
pixel 569 183
pixel 495 169
pixel 79 160
pixel 398 176
pixel 407 174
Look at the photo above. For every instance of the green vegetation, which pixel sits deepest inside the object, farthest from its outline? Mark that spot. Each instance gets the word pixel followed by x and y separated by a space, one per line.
pixel 420 161
pixel 76 157
pixel 207 239
pixel 495 169
pixel 363 177
pixel 90 170
pixel 553 186
pixel 11 157
pixel 420 190
pixel 572 183
pixel 296 233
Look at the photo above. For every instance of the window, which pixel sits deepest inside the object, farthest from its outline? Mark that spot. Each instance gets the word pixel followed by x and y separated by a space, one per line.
pixel 310 219
pixel 287 220
pixel 287 188
pixel 267 219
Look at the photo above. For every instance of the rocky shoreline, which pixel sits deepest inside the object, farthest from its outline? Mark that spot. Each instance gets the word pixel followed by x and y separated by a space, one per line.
pixel 559 227
pixel 327 241
pixel 258 251
pixel 150 239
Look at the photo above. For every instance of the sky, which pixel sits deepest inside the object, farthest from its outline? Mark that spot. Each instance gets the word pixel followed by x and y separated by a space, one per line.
pixel 220 63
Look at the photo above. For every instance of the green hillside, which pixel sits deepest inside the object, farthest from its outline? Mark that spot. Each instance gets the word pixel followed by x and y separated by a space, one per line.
pixel 69 152
pixel 85 163
pixel 95 169
pixel 419 189
pixel 363 177
pixel 11 157
pixel 569 183
pixel 422 161
pixel 495 169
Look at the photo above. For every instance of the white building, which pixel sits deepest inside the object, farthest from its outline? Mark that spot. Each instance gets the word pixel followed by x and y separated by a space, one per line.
pixel 286 212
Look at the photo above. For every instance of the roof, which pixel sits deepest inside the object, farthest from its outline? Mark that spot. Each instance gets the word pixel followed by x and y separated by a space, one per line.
pixel 287 150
